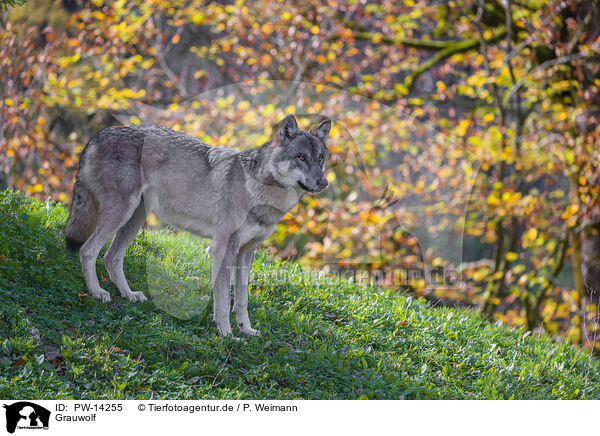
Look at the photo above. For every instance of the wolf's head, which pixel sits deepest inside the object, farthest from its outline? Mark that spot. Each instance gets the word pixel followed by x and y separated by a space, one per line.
pixel 298 157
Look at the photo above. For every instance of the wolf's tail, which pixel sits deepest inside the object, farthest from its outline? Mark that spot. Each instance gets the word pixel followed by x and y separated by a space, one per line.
pixel 82 217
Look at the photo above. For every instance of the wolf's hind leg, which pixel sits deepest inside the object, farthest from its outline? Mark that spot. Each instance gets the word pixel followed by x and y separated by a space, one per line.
pixel 240 291
pixel 113 259
pixel 109 221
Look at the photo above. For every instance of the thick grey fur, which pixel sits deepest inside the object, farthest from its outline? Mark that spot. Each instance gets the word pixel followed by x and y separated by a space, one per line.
pixel 235 198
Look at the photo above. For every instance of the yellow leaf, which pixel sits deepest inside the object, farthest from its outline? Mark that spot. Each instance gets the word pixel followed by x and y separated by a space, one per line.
pixel 479 275
pixel 373 218
pixel 8 101
pixel 488 117
pixel 461 129
pixel 314 29
pixel 248 117
pixel 574 208
pixel 511 256
pixel 519 269
pixel 532 234
pixel 570 156
pixel 401 89
pixel 175 39
pixel 493 199
pixel 198 19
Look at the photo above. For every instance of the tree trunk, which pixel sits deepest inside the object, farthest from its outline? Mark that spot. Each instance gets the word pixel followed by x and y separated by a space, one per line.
pixel 3 180
pixel 590 261
pixel 576 259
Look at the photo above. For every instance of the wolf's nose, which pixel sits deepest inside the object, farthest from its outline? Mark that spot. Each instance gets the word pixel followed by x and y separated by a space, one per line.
pixel 323 183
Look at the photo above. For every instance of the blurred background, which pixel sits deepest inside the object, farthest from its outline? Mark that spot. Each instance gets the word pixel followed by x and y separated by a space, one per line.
pixel 465 134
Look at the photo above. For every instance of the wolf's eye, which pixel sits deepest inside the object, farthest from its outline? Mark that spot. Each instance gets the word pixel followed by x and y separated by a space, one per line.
pixel 302 158
pixel 321 159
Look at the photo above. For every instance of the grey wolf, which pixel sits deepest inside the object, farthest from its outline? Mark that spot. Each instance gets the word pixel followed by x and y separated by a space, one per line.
pixel 235 198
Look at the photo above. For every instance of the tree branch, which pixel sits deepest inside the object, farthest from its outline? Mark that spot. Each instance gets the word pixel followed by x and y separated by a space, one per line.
pixel 450 49
pixel 549 63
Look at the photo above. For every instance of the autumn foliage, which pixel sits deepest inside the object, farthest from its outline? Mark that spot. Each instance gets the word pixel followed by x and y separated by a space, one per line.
pixel 465 133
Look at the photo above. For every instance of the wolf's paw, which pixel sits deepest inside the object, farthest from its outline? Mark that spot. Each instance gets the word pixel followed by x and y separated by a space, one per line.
pixel 101 295
pixel 136 297
pixel 251 332
pixel 225 329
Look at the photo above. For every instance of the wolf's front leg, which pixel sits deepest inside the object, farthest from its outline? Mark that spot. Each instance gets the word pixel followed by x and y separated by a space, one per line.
pixel 240 302
pixel 222 264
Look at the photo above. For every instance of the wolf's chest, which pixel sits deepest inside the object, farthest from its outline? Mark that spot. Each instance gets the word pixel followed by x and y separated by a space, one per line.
pixel 254 233
pixel 264 215
pixel 262 219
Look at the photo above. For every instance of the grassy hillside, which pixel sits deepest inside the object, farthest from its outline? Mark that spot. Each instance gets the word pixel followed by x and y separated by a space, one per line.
pixel 322 339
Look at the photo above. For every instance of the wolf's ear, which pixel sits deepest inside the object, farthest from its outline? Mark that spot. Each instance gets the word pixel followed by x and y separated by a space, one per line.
pixel 287 129
pixel 321 130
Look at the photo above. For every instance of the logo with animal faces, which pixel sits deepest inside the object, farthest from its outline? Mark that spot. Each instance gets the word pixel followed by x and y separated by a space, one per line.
pixel 26 415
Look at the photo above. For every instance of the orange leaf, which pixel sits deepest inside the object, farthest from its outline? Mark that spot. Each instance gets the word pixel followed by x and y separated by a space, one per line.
pixel 267 28
pixel 19 363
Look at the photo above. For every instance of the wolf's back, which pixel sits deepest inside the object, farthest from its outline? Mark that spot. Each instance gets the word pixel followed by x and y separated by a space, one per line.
pixel 110 170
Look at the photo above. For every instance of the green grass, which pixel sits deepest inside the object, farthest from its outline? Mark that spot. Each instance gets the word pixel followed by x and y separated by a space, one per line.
pixel 322 338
